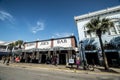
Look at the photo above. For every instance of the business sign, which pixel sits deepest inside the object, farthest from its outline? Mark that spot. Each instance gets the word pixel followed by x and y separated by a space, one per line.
pixel 44 44
pixel 71 61
pixel 30 45
pixel 62 42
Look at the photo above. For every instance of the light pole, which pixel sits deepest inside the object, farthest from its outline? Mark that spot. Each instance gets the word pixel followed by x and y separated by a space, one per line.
pixel 83 55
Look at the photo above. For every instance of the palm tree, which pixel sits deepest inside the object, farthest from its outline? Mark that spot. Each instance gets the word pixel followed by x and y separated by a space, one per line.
pixel 11 45
pixel 99 27
pixel 19 43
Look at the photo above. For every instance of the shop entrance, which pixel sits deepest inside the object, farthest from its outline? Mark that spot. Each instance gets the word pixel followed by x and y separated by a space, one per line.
pixel 62 58
pixel 92 58
pixel 25 57
pixel 43 60
pixel 112 58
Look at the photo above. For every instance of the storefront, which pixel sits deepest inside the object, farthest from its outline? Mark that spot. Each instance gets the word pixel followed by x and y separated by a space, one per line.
pixel 47 51
pixel 112 57
pixel 92 57
pixel 95 57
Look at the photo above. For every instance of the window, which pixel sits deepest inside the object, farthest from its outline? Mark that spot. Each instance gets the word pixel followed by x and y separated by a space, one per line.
pixel 112 30
pixel 117 26
pixel 87 35
pixel 3 48
pixel 85 32
pixel 85 29
pixel 93 34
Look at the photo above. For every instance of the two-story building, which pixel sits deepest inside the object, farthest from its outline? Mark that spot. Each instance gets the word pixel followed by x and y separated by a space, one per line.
pixel 111 39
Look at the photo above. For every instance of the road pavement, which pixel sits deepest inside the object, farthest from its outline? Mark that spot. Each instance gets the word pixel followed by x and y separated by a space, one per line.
pixel 29 73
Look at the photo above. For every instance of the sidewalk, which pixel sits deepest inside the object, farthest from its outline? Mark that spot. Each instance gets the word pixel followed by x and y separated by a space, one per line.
pixel 98 70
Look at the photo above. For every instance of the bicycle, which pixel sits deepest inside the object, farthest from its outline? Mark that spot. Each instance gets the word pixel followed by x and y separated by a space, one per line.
pixel 90 67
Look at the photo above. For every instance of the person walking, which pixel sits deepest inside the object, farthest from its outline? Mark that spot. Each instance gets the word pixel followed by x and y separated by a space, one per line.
pixel 55 60
pixel 8 60
pixel 77 62
pixel 4 59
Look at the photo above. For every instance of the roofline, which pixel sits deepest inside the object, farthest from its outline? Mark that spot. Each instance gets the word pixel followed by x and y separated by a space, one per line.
pixel 72 36
pixel 96 13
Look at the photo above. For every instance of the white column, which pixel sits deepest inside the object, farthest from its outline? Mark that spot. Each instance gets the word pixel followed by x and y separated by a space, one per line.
pixel 40 58
pixel 67 59
pixel 37 55
pixel 116 29
pixel 57 58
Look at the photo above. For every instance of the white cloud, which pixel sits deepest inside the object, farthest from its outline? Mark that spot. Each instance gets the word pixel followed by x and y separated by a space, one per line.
pixel 62 34
pixel 6 16
pixel 39 27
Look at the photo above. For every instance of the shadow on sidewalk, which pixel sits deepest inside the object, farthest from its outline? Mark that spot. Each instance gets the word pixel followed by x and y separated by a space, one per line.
pixel 110 70
pixel 74 68
pixel 96 69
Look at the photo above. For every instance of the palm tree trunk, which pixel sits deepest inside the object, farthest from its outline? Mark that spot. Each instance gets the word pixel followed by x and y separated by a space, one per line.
pixel 104 55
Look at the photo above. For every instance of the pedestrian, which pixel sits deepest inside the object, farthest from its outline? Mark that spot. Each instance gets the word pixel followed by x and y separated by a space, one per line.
pixel 55 60
pixel 8 60
pixel 17 59
pixel 52 59
pixel 78 62
pixel 48 60
pixel 4 59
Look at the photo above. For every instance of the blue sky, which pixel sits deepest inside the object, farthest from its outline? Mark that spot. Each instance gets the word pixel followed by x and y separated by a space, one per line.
pixel 30 20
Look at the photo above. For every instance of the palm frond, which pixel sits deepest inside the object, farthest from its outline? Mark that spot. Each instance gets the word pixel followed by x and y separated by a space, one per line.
pixel 99 25
pixel 90 26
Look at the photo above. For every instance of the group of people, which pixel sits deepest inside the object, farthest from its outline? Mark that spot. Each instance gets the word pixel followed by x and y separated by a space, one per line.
pixel 52 60
pixel 49 60
pixel 7 59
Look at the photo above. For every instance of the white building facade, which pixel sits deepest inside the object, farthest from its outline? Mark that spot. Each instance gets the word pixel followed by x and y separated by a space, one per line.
pixel 4 49
pixel 64 48
pixel 114 32
pixel 112 13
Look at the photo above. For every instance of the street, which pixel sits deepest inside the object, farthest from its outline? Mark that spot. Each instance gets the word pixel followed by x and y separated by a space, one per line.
pixel 23 73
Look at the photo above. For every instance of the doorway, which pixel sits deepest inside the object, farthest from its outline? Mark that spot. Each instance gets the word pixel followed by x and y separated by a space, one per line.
pixel 62 58
pixel 112 58
pixel 43 60
pixel 92 58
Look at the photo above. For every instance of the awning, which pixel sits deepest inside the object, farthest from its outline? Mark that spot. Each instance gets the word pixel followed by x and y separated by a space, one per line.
pixel 29 50
pixel 111 50
pixel 49 49
pixel 91 51
pixel 4 53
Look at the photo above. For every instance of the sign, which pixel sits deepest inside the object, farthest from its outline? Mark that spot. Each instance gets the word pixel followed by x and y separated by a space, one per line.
pixel 30 45
pixel 62 43
pixel 71 61
pixel 44 44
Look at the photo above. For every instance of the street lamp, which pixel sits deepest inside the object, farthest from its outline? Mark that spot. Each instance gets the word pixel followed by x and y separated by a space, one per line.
pixel 83 55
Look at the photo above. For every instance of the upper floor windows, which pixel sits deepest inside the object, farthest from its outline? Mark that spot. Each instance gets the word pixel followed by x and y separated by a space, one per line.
pixel 112 31
pixel 118 27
